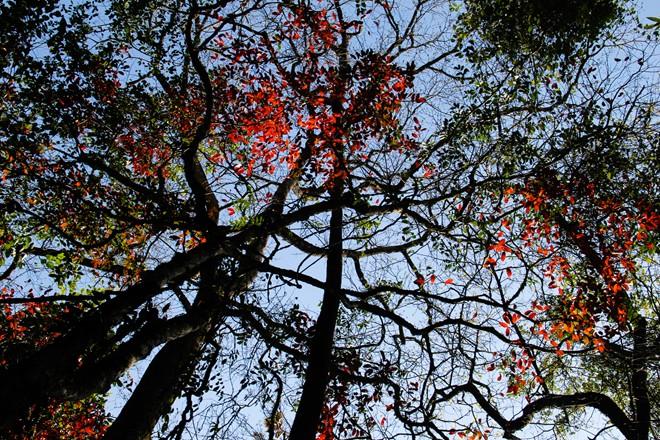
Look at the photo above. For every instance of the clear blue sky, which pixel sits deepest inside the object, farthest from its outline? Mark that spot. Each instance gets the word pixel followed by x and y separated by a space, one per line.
pixel 649 8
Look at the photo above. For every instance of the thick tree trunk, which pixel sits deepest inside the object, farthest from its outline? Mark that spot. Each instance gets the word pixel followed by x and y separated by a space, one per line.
pixel 166 375
pixel 308 416
pixel 28 382
pixel 161 384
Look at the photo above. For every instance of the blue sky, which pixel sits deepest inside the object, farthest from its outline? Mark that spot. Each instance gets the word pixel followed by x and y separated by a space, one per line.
pixel 649 8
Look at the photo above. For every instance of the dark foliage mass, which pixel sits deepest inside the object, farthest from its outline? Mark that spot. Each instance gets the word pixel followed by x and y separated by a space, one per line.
pixel 549 29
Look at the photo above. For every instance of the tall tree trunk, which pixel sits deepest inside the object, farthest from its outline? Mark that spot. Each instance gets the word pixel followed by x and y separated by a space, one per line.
pixel 166 375
pixel 317 376
pixel 160 385
pixel 639 382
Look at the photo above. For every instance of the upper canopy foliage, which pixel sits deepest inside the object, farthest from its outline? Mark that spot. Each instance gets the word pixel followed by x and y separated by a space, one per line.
pixel 548 30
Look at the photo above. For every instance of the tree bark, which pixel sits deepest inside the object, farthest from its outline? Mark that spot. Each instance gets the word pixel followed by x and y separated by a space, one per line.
pixel 639 382
pixel 160 386
pixel 27 382
pixel 317 376
pixel 166 375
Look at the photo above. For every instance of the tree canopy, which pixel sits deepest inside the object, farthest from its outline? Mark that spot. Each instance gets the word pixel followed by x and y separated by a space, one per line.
pixel 316 220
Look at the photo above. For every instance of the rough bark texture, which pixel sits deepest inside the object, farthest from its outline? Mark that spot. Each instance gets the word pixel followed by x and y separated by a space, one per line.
pixel 159 387
pixel 166 375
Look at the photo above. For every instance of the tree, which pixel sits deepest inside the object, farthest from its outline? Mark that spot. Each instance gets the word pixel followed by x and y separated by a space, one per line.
pixel 474 211
pixel 34 326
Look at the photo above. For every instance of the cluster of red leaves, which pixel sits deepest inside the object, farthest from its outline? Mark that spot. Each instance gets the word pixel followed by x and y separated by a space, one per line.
pixel 260 127
pixel 319 28
pixel 35 325
pixel 521 371
pixel 85 420
pixel 328 423
pixel 593 300
pixel 147 153
pixel 518 364
pixel 609 235
pixel 107 86
pixel 340 108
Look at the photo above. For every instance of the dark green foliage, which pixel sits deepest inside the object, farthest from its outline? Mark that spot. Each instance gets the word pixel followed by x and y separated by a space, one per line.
pixel 550 28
